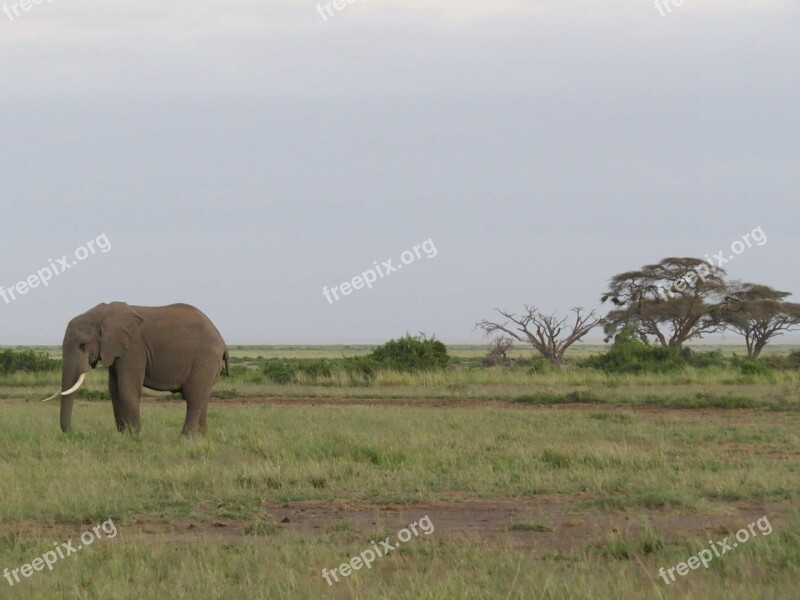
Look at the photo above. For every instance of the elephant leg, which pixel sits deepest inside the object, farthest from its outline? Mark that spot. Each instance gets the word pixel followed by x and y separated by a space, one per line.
pixel 197 393
pixel 203 415
pixel 130 392
pixel 113 390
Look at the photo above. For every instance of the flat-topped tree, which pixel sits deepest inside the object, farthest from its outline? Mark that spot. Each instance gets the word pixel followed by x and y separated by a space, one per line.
pixel 672 301
pixel 758 313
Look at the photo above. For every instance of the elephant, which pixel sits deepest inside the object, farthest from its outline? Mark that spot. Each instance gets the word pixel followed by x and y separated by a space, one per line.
pixel 173 348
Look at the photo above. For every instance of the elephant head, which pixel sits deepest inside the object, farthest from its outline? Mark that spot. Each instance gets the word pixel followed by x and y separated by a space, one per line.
pixel 102 333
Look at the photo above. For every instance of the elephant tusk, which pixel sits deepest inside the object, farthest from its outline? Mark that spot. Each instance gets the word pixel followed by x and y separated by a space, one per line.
pixel 75 387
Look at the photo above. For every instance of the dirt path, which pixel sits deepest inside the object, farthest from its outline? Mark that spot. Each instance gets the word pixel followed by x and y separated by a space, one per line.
pixel 538 525
pixel 465 404
pixel 738 414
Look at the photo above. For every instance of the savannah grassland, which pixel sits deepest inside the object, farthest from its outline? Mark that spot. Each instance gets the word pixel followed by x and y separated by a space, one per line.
pixel 571 484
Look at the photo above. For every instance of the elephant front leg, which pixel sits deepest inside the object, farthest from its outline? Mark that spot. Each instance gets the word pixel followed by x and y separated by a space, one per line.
pixel 126 392
pixel 113 390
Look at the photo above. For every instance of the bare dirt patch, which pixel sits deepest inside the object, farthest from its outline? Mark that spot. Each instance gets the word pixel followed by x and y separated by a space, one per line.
pixel 545 524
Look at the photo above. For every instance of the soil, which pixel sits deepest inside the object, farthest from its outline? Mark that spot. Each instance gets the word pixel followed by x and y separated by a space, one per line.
pixel 564 525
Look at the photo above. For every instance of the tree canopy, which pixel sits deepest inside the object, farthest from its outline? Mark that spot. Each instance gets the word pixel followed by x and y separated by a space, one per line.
pixel 758 313
pixel 671 302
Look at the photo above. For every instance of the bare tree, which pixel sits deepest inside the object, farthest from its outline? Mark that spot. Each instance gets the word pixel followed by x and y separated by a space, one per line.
pixel 497 354
pixel 544 332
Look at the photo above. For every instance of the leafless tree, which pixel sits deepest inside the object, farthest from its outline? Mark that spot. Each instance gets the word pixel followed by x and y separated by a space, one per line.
pixel 548 334
pixel 497 354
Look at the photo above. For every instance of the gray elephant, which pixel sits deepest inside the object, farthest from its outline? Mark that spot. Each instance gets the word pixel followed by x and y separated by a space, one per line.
pixel 173 348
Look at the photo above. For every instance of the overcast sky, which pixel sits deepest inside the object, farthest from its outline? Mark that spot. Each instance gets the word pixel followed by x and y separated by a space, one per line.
pixel 242 155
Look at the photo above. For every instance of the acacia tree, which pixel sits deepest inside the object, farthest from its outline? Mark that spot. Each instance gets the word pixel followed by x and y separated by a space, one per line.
pixel 549 335
pixel 758 313
pixel 673 301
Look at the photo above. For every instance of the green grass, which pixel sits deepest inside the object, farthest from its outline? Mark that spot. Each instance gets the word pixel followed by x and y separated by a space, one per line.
pixel 632 447
pixel 466 568
pixel 256 454
pixel 260 454
pixel 261 528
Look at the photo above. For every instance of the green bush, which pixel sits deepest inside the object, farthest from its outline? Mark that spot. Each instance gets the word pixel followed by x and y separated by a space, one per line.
pixel 408 354
pixel 703 360
pixel 755 367
pixel 360 369
pixel 540 365
pixel 279 371
pixel 283 371
pixel 315 368
pixel 778 362
pixel 411 354
pixel 629 354
pixel 30 361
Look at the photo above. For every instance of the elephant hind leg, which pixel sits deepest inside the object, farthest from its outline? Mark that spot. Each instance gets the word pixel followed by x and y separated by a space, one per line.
pixel 203 414
pixel 197 393
pixel 192 423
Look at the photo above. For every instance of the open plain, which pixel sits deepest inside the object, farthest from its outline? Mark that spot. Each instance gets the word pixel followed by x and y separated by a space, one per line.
pixel 538 485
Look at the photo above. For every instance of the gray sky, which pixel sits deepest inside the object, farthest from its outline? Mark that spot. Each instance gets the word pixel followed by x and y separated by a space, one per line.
pixel 241 155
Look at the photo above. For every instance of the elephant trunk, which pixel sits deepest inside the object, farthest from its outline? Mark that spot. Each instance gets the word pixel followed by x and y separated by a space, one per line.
pixel 71 380
pixel 66 412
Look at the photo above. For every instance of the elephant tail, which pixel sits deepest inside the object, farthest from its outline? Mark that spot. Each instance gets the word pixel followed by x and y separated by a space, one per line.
pixel 225 357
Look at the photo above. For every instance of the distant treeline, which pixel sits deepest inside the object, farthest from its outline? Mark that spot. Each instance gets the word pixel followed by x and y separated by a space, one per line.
pixel 12 361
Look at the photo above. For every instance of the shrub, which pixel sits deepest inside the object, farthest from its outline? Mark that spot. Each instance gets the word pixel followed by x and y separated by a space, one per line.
pixel 410 354
pixel 540 365
pixel 30 361
pixel 278 371
pixel 780 362
pixel 359 368
pixel 703 360
pixel 497 353
pixel 755 367
pixel 314 368
pixel 629 354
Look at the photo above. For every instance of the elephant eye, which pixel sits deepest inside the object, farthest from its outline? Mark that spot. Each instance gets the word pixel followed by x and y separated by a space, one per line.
pixel 82 346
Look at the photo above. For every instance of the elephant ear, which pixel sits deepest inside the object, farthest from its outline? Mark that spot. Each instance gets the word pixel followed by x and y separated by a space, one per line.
pixel 119 328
